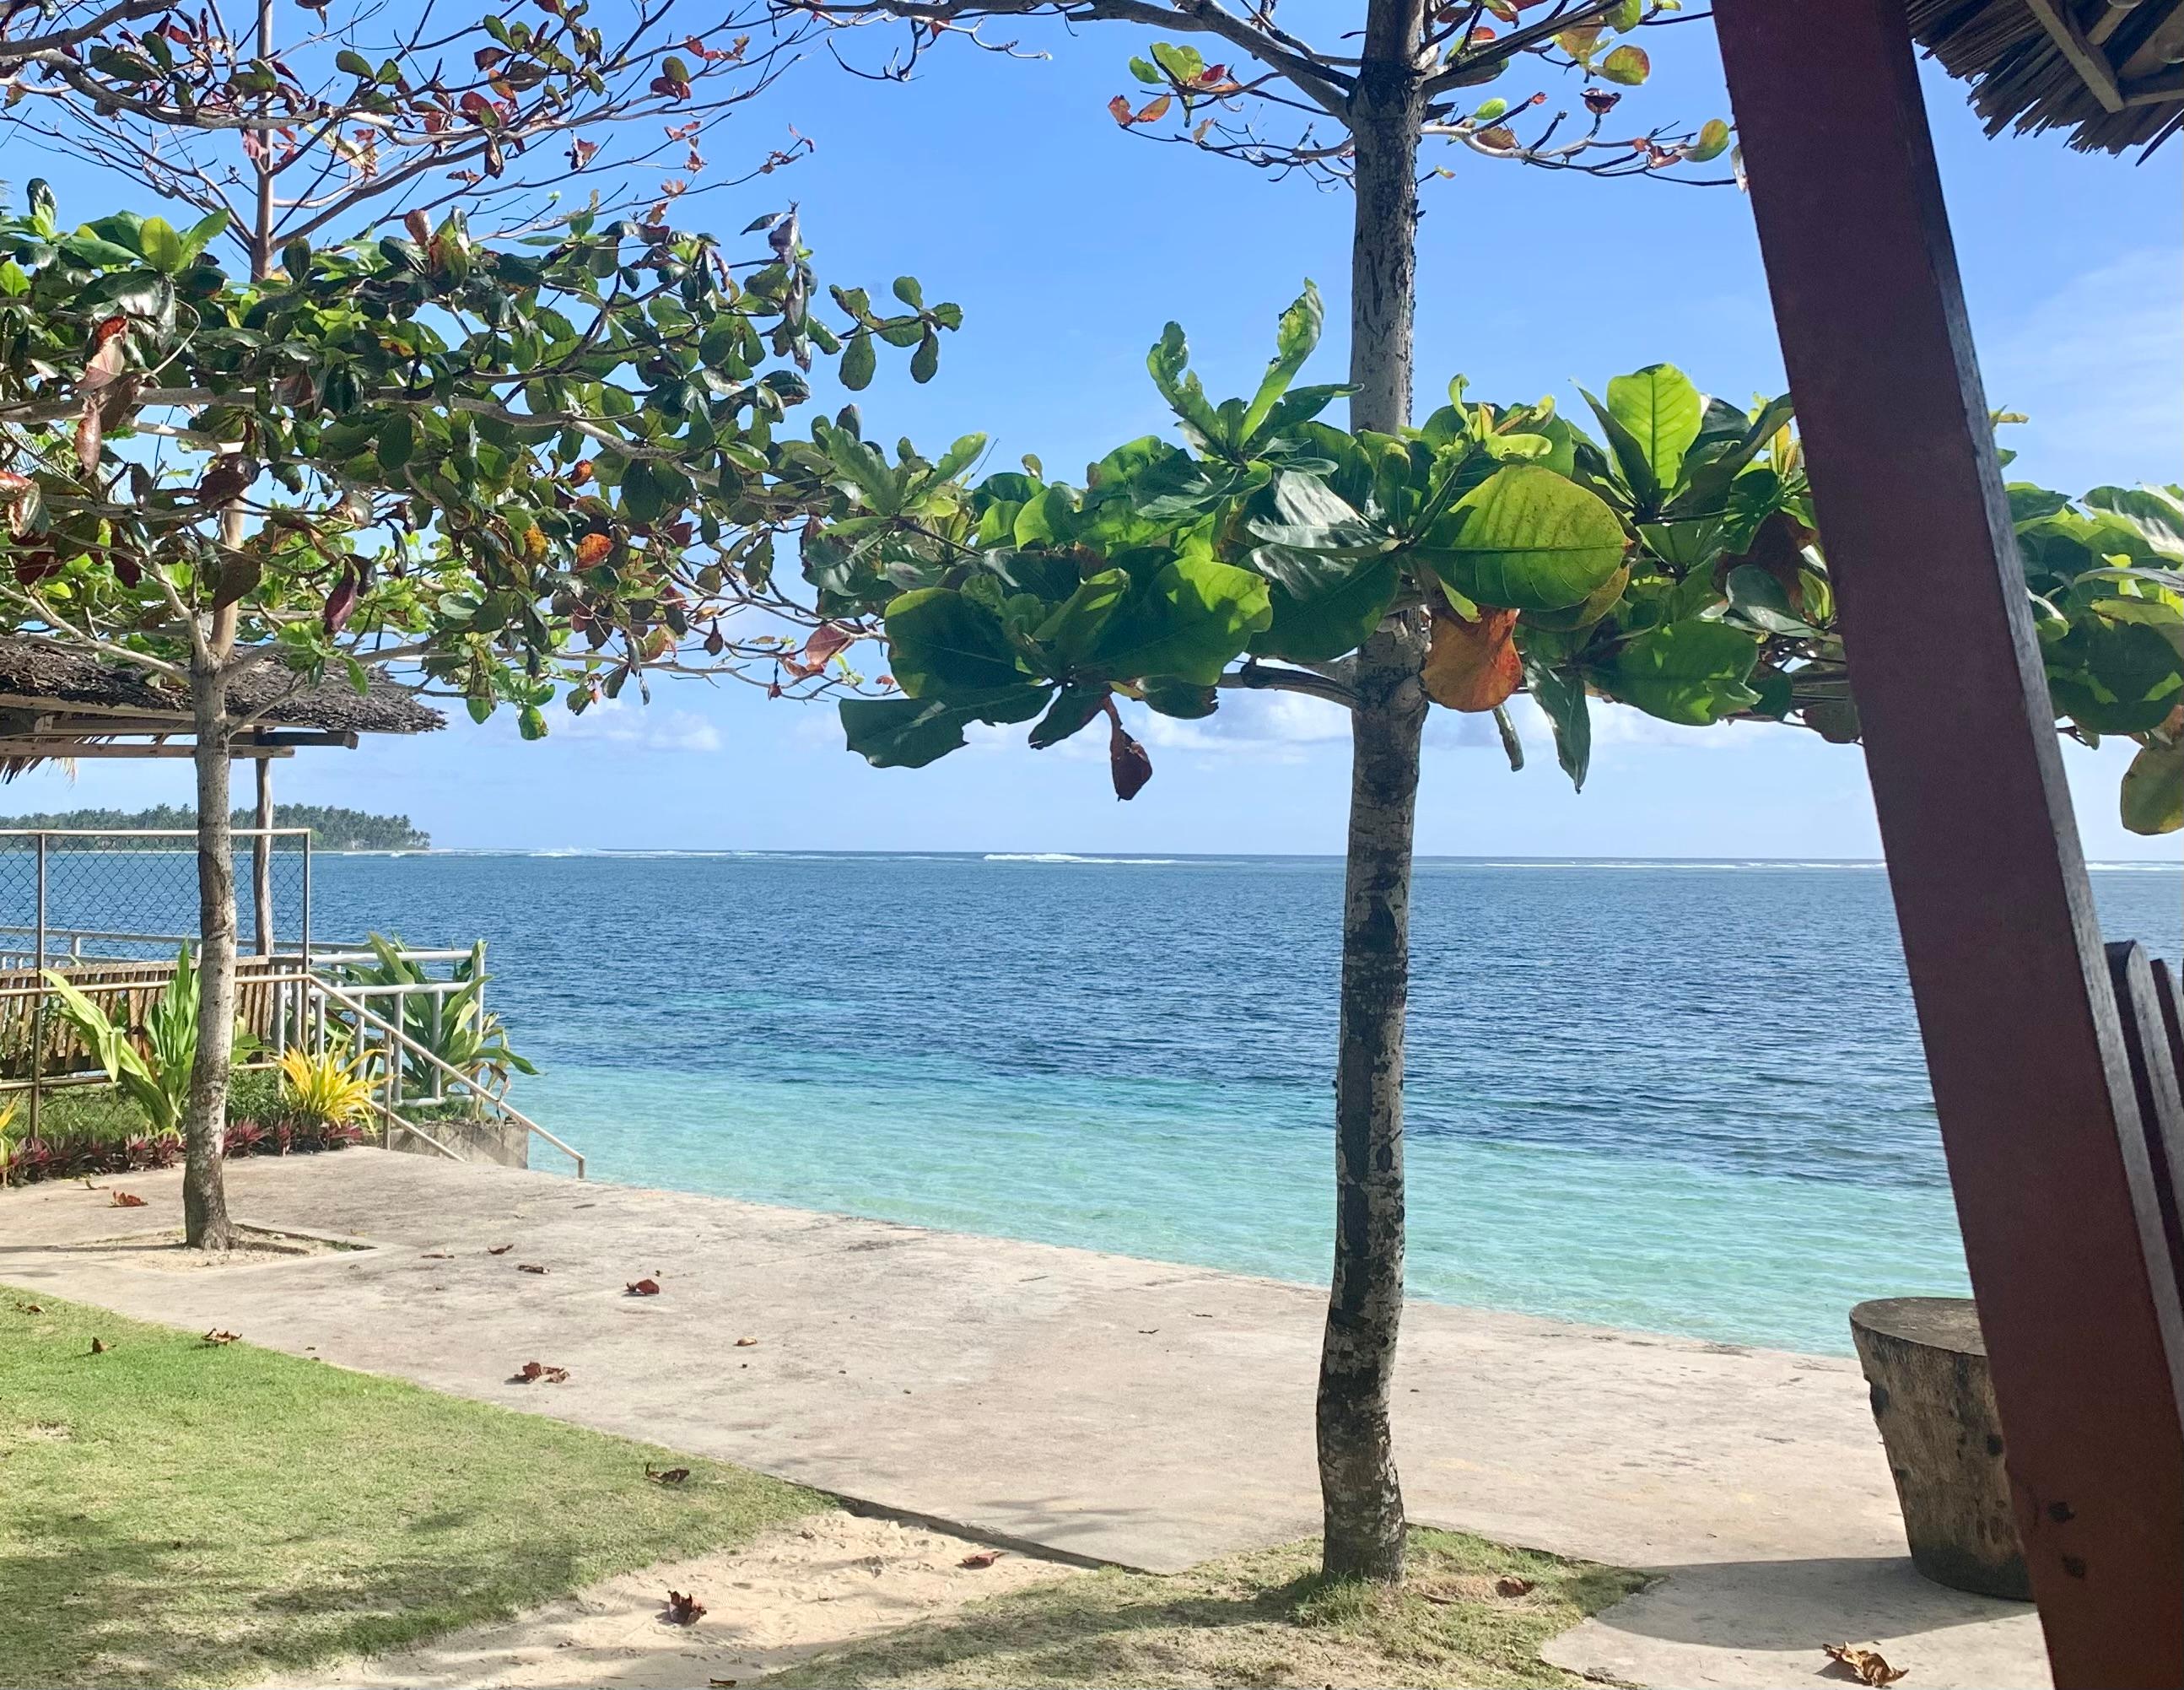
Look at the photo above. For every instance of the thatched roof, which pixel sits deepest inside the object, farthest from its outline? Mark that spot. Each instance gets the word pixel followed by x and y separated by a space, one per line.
pixel 2110 71
pixel 49 691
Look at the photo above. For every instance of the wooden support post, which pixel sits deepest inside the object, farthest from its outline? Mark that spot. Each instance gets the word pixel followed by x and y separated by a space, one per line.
pixel 2061 1221
pixel 261 859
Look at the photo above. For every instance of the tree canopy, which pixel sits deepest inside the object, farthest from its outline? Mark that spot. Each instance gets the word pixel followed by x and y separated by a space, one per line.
pixel 1668 562
pixel 543 464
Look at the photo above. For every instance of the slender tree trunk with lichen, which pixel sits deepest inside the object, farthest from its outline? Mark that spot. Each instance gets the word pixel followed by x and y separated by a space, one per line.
pixel 1362 1496
pixel 205 1223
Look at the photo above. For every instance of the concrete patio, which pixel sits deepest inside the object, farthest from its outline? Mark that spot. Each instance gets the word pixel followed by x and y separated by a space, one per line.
pixel 1094 1407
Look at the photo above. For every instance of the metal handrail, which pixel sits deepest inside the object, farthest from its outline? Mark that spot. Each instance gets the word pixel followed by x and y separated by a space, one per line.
pixel 396 1036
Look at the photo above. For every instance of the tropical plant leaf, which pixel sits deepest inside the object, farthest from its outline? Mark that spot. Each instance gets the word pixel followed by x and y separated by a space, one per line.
pixel 1526 539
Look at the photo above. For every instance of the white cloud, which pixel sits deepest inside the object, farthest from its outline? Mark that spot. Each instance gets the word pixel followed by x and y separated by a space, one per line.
pixel 615 721
pixel 2094 366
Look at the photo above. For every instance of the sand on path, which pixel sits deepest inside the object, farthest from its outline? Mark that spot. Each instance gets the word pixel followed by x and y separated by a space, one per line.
pixel 824 1580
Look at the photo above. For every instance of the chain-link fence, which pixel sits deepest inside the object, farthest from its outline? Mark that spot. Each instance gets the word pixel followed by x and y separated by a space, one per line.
pixel 69 896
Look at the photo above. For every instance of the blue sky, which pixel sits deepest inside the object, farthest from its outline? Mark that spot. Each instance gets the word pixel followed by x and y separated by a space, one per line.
pixel 1006 187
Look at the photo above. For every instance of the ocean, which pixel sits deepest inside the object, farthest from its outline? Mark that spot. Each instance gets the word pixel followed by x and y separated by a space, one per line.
pixel 1680 1097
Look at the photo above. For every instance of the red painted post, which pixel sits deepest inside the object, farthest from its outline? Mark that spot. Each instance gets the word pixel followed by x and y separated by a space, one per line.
pixel 2062 1228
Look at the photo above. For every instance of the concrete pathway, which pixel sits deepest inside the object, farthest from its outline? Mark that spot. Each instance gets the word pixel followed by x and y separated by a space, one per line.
pixel 1095 1406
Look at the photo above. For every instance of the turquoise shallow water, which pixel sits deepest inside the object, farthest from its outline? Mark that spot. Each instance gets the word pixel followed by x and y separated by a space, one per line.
pixel 1677 1097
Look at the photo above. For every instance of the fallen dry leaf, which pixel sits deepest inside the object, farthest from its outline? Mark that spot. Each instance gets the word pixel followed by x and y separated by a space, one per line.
pixel 982 1558
pixel 1510 1585
pixel 435 1256
pixel 538 1373
pixel 683 1607
pixel 498 1249
pixel 1868 1665
pixel 721 1683
pixel 30 1308
pixel 98 1347
pixel 745 1343
pixel 219 1336
pixel 644 1287
pixel 666 1475
pixel 125 1200
pixel 529 1268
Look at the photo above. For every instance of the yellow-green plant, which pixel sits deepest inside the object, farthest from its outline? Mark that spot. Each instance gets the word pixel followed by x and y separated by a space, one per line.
pixel 329 1087
pixel 8 1137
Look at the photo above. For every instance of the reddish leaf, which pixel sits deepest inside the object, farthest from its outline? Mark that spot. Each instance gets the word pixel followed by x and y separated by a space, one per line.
pixel 420 227
pixel 125 1200
pixel 683 1607
pixel 341 604
pixel 982 1558
pixel 217 1335
pixel 1126 761
pixel 1154 109
pixel 824 642
pixel 1510 1585
pixel 644 1288
pixel 539 1373
pixel 1600 101
pixel 1473 666
pixel 1119 109
pixel 593 550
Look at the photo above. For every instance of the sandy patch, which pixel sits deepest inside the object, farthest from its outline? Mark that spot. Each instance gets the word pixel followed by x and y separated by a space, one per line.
pixel 255 1246
pixel 826 1579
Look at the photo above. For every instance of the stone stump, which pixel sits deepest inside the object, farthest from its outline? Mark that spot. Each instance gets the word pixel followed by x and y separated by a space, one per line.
pixel 1925 1360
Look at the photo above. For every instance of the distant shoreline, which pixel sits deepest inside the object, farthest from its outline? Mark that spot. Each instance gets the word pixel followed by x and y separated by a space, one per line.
pixel 1164 860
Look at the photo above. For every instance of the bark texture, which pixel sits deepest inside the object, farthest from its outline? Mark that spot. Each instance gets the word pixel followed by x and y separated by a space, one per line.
pixel 1361 1494
pixel 205 1224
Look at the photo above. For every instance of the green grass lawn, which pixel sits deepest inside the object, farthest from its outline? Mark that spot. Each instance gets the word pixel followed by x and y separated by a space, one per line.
pixel 1258 1619
pixel 176 1512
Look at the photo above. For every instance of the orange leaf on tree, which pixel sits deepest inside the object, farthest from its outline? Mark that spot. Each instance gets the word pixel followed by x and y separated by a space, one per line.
pixel 1119 109
pixel 1473 666
pixel 593 550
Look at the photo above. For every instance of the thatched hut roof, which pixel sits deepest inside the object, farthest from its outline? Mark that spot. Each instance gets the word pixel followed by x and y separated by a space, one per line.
pixel 2110 71
pixel 55 702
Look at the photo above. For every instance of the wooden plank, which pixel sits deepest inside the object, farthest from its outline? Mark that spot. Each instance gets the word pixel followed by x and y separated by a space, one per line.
pixel 2032 1084
pixel 77 748
pixel 2091 64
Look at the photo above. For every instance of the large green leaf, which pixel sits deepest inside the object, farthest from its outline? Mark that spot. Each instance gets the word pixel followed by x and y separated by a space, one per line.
pixel 945 644
pixel 1662 412
pixel 1694 673
pixel 2114 677
pixel 1332 621
pixel 1169 361
pixel 1294 338
pixel 1188 621
pixel 2155 514
pixel 1561 696
pixel 1074 628
pixel 1526 538
pixel 2152 798
pixel 901 733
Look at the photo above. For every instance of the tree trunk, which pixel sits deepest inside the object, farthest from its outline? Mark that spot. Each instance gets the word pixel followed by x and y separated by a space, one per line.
pixel 1362 1496
pixel 205 1224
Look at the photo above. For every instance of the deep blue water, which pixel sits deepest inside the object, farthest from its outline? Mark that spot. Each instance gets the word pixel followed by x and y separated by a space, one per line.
pixel 1677 1097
